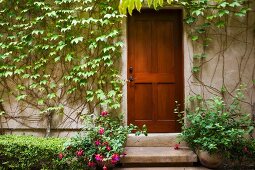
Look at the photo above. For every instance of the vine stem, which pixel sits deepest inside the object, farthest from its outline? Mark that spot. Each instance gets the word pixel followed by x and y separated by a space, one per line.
pixel 49 124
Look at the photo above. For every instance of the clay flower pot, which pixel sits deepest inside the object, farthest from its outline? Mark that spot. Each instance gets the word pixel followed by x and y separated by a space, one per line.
pixel 209 160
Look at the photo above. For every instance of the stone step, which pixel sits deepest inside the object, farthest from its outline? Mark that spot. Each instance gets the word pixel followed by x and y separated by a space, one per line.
pixel 153 140
pixel 163 168
pixel 158 155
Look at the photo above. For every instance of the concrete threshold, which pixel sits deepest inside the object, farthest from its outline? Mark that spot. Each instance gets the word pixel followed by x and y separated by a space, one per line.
pixel 154 140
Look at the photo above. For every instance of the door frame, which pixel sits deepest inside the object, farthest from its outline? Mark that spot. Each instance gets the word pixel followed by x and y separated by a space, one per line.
pixel 183 39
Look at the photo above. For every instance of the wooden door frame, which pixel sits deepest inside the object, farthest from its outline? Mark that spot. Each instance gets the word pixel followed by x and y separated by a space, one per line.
pixel 182 87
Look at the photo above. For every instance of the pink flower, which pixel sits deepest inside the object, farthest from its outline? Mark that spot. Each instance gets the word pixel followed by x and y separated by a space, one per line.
pixel 104 168
pixel 101 131
pixel 104 113
pixel 60 156
pixel 108 148
pixel 177 146
pixel 98 157
pixel 115 157
pixel 97 143
pixel 79 152
pixel 91 164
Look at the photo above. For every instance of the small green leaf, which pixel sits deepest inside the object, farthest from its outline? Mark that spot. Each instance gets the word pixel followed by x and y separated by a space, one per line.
pixel 21 97
pixel 51 95
pixel 195 69
pixel 77 40
pixel 57 59
pixel 149 3
pixel 169 1
pixel 220 24
pixel 138 5
pixel 190 20
pixel 194 38
pixel 69 57
pixel 2 113
pixel 40 101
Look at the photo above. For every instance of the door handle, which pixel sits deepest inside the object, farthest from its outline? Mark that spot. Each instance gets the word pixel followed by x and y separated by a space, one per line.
pixel 131 78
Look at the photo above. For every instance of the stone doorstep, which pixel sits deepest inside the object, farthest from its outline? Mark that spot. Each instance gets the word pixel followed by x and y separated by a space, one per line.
pixel 158 155
pixel 162 168
pixel 153 140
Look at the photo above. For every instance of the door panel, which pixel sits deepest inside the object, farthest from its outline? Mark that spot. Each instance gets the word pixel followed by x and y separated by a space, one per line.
pixel 143 93
pixel 143 59
pixel 155 69
pixel 166 101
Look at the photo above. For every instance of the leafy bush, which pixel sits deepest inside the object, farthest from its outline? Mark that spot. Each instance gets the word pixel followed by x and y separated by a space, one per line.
pixel 101 144
pixel 242 152
pixel 214 126
pixel 29 152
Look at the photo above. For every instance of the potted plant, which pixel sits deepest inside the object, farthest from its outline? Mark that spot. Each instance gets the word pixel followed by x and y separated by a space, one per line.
pixel 212 127
pixel 100 145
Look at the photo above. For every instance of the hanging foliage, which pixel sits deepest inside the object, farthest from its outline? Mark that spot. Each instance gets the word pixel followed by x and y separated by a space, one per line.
pixel 58 54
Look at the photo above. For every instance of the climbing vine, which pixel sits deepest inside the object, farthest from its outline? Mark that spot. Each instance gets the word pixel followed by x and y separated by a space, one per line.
pixel 58 57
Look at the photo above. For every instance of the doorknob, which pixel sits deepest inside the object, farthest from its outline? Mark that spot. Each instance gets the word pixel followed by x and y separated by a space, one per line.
pixel 131 78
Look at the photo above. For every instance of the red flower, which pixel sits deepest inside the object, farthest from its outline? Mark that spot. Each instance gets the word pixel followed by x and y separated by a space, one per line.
pixel 104 168
pixel 101 131
pixel 91 164
pixel 177 146
pixel 115 157
pixel 79 152
pixel 97 143
pixel 60 156
pixel 104 113
pixel 108 148
pixel 98 157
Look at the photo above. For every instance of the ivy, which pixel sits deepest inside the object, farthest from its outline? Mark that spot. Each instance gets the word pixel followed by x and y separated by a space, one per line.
pixel 59 51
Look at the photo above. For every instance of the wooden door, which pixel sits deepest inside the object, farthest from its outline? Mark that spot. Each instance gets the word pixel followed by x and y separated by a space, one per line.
pixel 155 69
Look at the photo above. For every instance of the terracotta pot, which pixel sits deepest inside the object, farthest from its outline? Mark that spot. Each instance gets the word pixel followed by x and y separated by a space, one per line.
pixel 209 160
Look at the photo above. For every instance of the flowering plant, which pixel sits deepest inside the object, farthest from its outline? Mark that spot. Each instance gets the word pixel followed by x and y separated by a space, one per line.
pixel 100 144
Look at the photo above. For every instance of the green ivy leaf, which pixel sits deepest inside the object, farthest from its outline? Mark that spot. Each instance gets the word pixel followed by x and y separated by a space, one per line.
pixel 194 38
pixel 69 57
pixel 51 95
pixel 195 69
pixel 40 101
pixel 77 40
pixel 21 97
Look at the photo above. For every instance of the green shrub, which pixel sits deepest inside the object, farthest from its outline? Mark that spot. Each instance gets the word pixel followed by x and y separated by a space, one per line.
pixel 216 126
pixel 29 152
